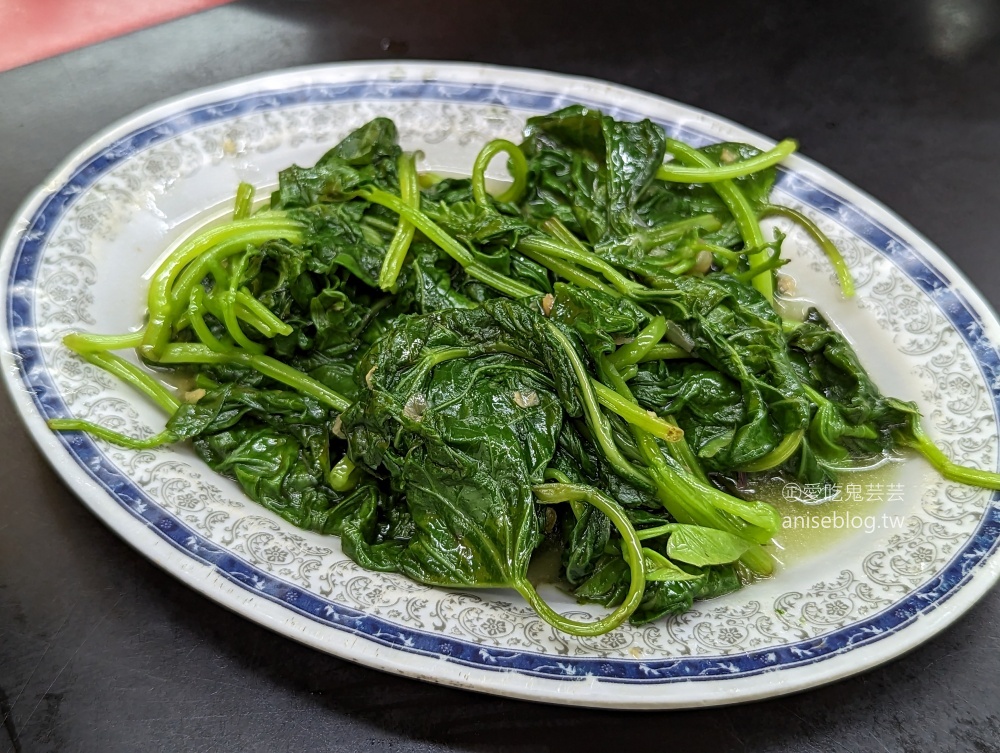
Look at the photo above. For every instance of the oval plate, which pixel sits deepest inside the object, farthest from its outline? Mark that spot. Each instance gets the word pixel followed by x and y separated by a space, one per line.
pixel 903 559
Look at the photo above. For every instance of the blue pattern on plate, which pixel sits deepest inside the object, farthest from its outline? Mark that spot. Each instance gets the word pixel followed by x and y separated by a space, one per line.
pixel 89 456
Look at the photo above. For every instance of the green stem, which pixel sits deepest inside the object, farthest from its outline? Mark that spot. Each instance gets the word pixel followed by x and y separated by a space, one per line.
pixel 242 306
pixel 244 201
pixel 344 476
pixel 196 317
pixel 586 259
pixel 596 420
pixel 683 174
pixel 629 373
pixel 767 265
pixel 785 449
pixel 691 501
pixel 209 263
pixel 664 352
pixel 555 227
pixel 671 231
pixel 517 165
pixel 726 253
pixel 654 533
pixel 246 316
pixel 951 470
pixel 824 242
pixel 79 342
pixel 235 237
pixel 226 303
pixel 659 567
pixel 739 207
pixel 555 493
pixel 815 395
pixel 449 245
pixel 635 415
pixel 690 498
pixel 429 180
pixel 418 374
pixel 681 452
pixel 567 271
pixel 730 258
pixel 108 435
pixel 679 449
pixel 269 367
pixel 267 323
pixel 383 226
pixel 402 237
pixel 634 351
pixel 127 372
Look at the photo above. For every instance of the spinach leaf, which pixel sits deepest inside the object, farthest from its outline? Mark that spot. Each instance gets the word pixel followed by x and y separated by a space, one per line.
pixel 733 330
pixel 464 431
pixel 603 320
pixel 275 443
pixel 367 156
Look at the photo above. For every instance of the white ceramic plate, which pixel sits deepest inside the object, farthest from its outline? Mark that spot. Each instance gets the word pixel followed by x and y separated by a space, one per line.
pixel 907 557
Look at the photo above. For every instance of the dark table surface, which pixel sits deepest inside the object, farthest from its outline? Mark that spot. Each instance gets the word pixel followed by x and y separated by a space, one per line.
pixel 101 651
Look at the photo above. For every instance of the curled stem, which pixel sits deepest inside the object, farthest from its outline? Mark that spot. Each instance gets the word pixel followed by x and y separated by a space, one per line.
pixel 517 165
pixel 561 492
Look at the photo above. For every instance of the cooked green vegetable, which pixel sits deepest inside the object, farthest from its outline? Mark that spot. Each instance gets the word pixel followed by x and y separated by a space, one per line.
pixel 445 378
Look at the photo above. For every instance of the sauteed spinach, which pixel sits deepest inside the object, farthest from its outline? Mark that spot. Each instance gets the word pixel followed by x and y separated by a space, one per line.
pixel 446 378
